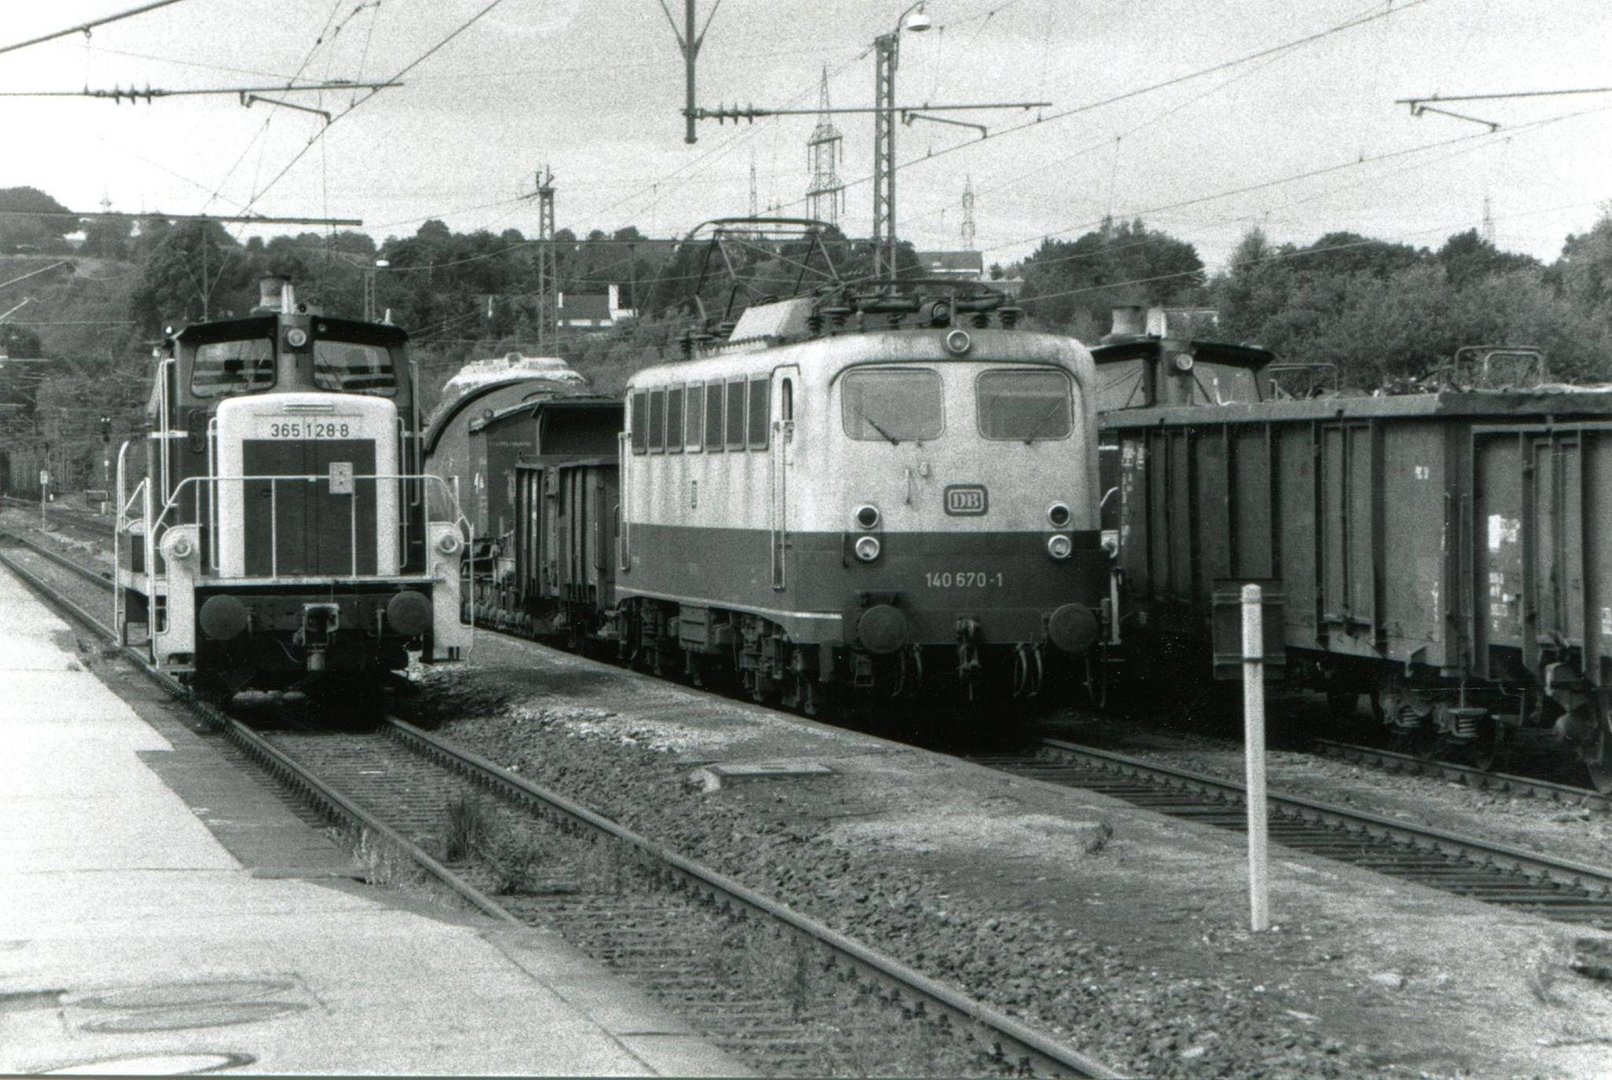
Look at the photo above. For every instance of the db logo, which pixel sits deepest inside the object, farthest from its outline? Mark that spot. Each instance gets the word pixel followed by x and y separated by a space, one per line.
pixel 966 500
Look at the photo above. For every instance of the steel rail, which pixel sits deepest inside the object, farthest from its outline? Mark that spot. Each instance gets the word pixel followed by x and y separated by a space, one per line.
pixel 1593 879
pixel 1394 761
pixel 85 572
pixel 1015 1036
pixel 67 515
pixel 55 596
pixel 291 774
pixel 1043 1052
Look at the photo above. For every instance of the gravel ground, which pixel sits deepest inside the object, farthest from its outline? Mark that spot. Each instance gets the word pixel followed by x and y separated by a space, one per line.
pixel 1537 824
pixel 1120 930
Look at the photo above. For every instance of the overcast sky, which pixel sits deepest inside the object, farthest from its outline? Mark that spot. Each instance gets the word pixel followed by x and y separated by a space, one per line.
pixel 593 88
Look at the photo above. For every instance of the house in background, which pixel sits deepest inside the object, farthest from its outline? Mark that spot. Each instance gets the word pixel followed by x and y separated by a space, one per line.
pixel 962 265
pixel 593 311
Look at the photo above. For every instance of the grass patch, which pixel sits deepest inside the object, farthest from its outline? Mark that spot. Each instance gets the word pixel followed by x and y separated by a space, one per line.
pixel 382 863
pixel 468 830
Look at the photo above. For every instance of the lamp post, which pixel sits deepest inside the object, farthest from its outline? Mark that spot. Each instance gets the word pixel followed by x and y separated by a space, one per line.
pixel 887 51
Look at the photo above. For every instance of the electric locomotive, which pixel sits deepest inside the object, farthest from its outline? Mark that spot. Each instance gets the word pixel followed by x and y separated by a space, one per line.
pixel 879 492
pixel 277 532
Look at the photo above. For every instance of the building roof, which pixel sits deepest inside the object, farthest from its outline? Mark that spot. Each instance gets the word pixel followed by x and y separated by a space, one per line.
pixel 948 263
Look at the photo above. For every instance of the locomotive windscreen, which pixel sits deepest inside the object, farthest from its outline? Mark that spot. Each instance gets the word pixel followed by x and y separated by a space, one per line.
pixel 351 368
pixel 893 405
pixel 1024 405
pixel 232 367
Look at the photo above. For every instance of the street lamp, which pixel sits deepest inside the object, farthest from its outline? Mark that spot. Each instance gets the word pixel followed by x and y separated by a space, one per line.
pixel 887 50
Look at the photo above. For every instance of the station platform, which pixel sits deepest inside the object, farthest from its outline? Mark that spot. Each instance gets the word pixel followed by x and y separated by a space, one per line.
pixel 165 913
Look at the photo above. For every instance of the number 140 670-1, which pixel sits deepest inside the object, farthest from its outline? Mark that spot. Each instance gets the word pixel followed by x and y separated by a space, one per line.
pixel 961 579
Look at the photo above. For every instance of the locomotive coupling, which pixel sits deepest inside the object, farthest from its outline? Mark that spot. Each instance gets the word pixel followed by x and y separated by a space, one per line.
pixel 319 623
pixel 968 652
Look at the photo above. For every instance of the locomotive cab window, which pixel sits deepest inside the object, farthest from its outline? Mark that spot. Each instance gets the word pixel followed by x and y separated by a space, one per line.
pixel 786 400
pixel 640 422
pixel 735 439
pixel 713 416
pixel 892 405
pixel 221 368
pixel 674 420
pixel 351 368
pixel 1122 384
pixel 657 420
pixel 760 421
pixel 694 416
pixel 1222 384
pixel 1024 405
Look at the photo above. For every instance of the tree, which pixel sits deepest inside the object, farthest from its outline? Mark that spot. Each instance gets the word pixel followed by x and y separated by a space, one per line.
pixel 1073 285
pixel 1468 257
pixel 108 237
pixel 1584 272
pixel 32 219
pixel 190 271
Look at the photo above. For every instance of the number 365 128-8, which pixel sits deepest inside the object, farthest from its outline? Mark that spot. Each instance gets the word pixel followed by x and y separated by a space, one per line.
pixel 961 579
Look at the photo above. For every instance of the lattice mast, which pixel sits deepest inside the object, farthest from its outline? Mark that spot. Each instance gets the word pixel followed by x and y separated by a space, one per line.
pixel 824 150
pixel 548 277
pixel 968 214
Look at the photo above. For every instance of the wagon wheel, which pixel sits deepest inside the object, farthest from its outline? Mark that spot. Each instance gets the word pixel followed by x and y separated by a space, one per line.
pixel 1482 752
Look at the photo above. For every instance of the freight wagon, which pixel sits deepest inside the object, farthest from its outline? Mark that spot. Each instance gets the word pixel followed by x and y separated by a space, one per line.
pixel 1447 553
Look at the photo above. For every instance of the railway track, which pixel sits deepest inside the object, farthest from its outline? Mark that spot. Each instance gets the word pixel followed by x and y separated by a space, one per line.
pixel 83 521
pixel 699 941
pixel 1394 761
pixel 1467 866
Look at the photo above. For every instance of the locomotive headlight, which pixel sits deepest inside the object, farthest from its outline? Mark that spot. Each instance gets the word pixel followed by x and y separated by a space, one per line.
pixel 181 548
pixel 867 516
pixel 1060 546
pixel 296 337
pixel 448 542
pixel 1058 515
pixel 867 548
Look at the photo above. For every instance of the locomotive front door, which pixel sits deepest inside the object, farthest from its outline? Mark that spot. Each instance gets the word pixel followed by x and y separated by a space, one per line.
pixel 781 451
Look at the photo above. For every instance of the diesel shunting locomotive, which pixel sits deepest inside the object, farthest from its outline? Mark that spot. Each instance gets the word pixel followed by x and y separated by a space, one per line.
pixel 276 531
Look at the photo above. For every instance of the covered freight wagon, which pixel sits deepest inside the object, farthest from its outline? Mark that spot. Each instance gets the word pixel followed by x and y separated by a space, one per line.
pixel 1447 553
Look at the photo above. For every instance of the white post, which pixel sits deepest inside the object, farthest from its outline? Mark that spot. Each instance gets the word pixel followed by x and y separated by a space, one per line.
pixel 44 486
pixel 1254 741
